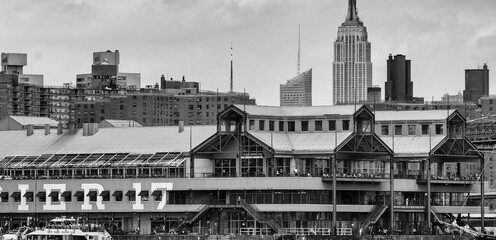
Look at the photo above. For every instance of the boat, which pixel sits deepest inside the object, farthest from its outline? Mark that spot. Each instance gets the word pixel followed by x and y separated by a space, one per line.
pixel 69 229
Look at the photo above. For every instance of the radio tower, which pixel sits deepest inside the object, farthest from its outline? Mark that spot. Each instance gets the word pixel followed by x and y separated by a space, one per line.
pixel 298 64
pixel 231 67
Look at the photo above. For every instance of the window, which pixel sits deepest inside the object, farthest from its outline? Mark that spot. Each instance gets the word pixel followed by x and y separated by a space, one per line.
pixel 261 125
pixel 281 126
pixel 158 195
pixel 439 128
pixel 425 129
pixel 29 196
pixel 251 125
pixel 411 130
pixel 304 126
pixel 131 196
pixel 55 196
pixel 144 195
pixel 398 129
pixel 385 130
pixel 364 126
pixel 346 124
pixel 291 126
pixel 118 196
pixel 318 125
pixel 271 126
pixel 332 125
pixel 17 195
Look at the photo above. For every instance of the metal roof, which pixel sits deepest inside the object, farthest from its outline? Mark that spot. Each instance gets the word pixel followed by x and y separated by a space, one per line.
pixel 36 121
pixel 257 110
pixel 418 115
pixel 297 142
pixel 107 140
pixel 412 146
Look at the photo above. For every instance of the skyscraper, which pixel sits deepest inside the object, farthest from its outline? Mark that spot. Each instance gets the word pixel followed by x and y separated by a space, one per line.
pixel 297 91
pixel 476 84
pixel 399 86
pixel 352 68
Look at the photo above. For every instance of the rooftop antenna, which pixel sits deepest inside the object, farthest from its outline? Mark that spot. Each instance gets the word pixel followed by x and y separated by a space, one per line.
pixel 231 67
pixel 298 64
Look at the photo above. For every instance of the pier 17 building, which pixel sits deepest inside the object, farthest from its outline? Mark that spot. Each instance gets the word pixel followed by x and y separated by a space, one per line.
pixel 323 170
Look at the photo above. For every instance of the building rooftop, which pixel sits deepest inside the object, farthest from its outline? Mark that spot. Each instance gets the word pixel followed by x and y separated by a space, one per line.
pixel 418 115
pixel 106 140
pixel 314 142
pixel 258 110
pixel 36 121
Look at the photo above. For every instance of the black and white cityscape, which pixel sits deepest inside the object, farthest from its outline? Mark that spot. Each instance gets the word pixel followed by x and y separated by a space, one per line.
pixel 240 120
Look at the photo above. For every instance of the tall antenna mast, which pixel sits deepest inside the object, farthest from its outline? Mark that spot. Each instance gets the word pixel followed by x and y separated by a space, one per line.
pixel 231 67
pixel 298 64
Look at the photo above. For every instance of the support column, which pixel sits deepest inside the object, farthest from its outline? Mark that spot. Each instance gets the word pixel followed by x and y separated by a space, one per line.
pixel 482 193
pixel 428 210
pixel 334 195
pixel 391 193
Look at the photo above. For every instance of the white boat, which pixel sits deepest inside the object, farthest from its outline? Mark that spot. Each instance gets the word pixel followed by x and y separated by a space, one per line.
pixel 69 229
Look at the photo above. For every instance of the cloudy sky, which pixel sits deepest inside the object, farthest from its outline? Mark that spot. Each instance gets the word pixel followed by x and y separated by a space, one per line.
pixel 192 38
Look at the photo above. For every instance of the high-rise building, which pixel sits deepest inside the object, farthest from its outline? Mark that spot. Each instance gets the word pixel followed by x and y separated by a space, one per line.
pixel 352 68
pixel 297 91
pixel 476 84
pixel 105 74
pixel 19 92
pixel 399 86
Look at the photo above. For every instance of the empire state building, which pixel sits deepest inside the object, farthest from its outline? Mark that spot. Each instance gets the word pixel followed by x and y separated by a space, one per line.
pixel 352 68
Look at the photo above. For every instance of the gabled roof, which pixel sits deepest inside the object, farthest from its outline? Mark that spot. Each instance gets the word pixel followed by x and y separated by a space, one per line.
pixel 418 115
pixel 412 146
pixel 106 140
pixel 257 110
pixel 36 121
pixel 301 143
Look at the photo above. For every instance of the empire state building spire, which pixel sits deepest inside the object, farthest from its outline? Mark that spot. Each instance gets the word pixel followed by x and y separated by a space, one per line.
pixel 352 11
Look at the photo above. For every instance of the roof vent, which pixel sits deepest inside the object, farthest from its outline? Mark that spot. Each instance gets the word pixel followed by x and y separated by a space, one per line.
pixel 89 129
pixel 29 129
pixel 181 126
pixel 47 129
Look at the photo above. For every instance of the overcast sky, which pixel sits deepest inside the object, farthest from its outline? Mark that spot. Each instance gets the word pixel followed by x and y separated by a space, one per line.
pixel 192 39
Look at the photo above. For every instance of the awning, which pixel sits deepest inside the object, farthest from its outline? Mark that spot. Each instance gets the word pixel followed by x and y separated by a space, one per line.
pixel 117 193
pixel 28 194
pixel 92 193
pixel 130 193
pixel 4 194
pixel 157 193
pixel 53 194
pixel 15 194
pixel 105 193
pixel 79 194
pixel 143 194
pixel 41 194
pixel 66 194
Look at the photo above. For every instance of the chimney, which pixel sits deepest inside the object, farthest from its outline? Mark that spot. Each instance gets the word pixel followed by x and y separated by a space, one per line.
pixel 59 128
pixel 72 128
pixel 47 129
pixel 181 126
pixel 29 129
pixel 89 129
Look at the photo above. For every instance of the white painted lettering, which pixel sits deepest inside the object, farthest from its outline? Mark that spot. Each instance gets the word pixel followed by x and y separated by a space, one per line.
pixel 87 187
pixel 23 206
pixel 137 204
pixel 48 204
pixel 160 186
